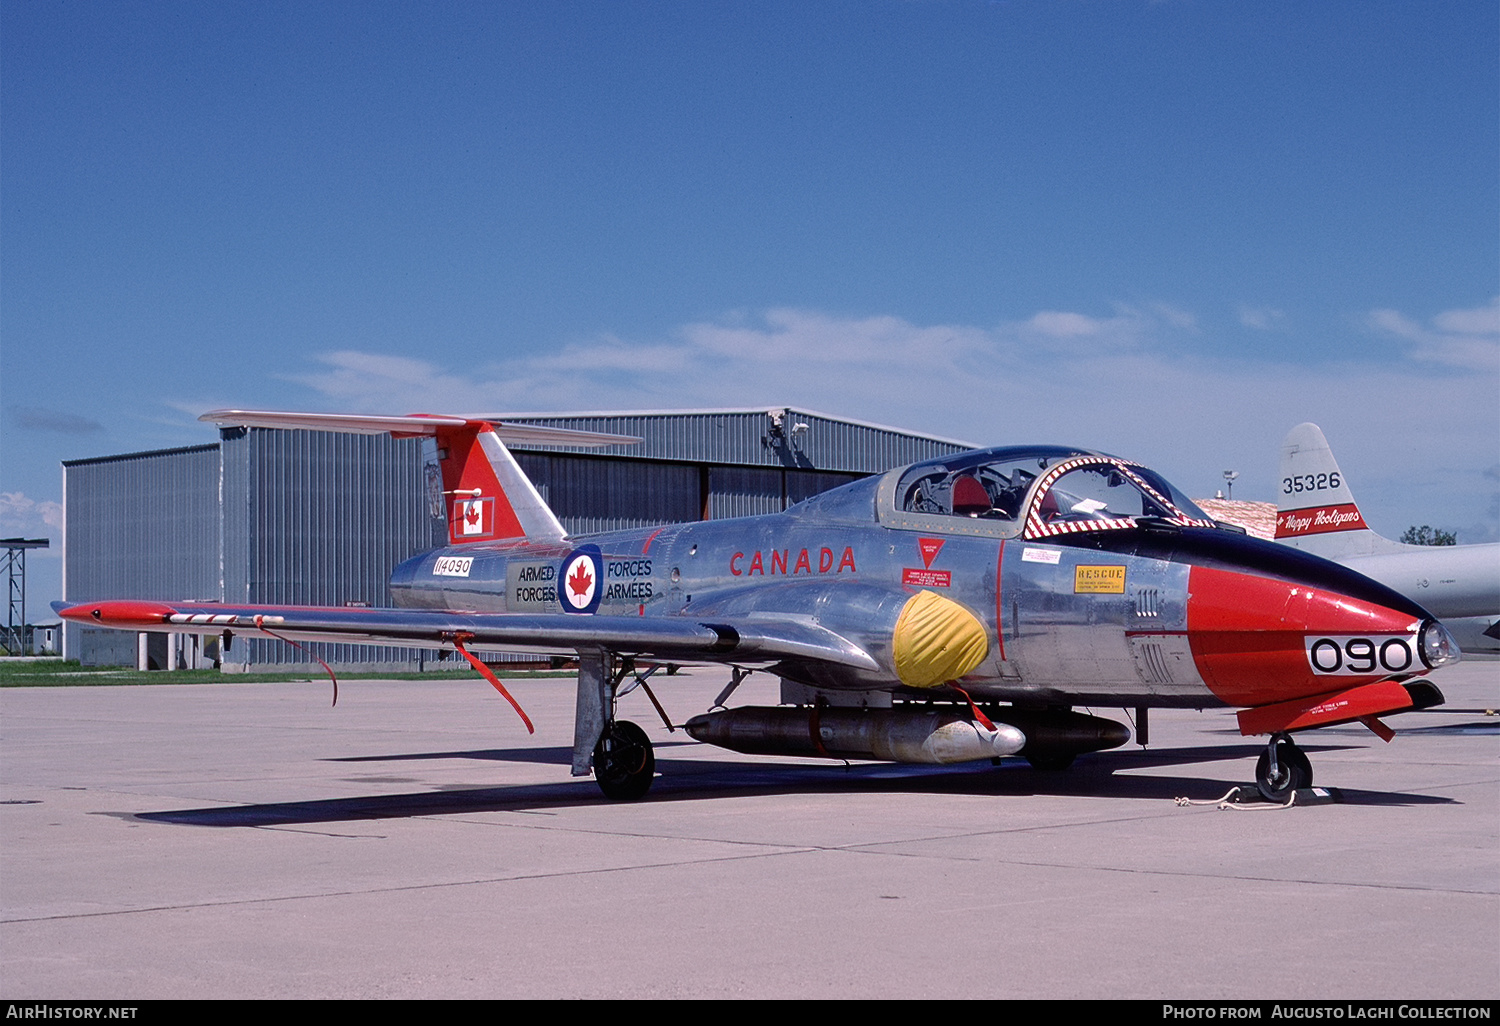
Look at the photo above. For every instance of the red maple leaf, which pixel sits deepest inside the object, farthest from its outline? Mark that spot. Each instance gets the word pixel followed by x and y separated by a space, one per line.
pixel 580 580
pixel 471 513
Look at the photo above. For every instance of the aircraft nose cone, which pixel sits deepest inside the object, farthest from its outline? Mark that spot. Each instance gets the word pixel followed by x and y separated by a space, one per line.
pixel 1258 639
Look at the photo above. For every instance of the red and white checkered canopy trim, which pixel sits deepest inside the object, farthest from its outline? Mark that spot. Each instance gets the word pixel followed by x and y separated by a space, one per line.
pixel 1036 528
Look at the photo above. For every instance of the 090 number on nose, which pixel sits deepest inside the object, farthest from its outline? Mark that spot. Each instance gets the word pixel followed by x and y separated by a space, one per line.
pixel 1356 655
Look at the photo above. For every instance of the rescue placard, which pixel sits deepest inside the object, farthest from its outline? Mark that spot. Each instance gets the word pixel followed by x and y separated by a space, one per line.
pixel 1099 580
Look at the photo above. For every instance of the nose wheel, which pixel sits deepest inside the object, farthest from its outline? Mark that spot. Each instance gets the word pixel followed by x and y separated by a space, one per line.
pixel 624 763
pixel 1281 769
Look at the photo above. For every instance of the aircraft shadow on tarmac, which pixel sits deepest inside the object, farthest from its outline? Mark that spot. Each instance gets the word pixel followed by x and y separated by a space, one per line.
pixel 1102 775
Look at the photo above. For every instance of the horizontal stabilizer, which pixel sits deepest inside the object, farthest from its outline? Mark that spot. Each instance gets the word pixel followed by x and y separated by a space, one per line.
pixel 413 425
pixel 484 493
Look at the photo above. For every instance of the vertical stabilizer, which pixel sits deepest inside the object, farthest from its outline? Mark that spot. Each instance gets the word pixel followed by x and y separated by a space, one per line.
pixel 1315 510
pixel 486 495
pixel 489 496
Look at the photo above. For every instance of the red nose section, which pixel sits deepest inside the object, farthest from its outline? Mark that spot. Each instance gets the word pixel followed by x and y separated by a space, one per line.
pixel 119 613
pixel 1258 640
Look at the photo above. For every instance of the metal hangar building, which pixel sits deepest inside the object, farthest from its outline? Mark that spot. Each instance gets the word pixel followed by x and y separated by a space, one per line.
pixel 320 518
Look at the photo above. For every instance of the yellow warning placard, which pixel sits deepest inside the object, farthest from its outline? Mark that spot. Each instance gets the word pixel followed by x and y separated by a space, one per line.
pixel 1099 580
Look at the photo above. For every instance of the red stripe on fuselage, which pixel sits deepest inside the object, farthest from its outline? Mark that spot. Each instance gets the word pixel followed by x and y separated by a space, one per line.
pixel 999 605
pixel 1248 633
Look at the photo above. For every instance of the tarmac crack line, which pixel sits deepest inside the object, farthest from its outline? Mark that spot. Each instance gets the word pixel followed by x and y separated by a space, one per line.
pixel 1177 873
pixel 872 848
pixel 187 906
pixel 812 849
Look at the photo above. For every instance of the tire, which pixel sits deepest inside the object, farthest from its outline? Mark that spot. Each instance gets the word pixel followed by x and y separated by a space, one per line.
pixel 1295 773
pixel 624 763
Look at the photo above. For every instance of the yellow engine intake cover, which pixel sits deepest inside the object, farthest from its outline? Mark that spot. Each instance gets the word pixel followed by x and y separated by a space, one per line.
pixel 936 640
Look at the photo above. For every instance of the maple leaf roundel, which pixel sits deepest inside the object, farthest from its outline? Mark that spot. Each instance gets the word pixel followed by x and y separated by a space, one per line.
pixel 579 584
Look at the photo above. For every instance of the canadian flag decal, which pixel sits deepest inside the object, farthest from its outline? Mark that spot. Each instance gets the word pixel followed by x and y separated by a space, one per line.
pixel 473 518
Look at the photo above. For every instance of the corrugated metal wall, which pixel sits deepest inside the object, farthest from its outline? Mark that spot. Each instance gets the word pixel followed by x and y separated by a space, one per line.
pixel 755 438
pixel 142 525
pixel 590 494
pixel 319 510
pixel 726 463
pixel 316 518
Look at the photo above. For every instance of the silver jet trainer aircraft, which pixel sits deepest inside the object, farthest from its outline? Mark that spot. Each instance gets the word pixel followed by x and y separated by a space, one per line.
pixel 953 610
pixel 1316 512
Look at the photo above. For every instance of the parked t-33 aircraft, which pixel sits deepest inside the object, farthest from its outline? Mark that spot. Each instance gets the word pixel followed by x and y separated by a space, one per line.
pixel 956 609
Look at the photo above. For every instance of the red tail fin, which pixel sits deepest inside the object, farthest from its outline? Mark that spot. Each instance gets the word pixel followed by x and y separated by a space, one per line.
pixel 490 496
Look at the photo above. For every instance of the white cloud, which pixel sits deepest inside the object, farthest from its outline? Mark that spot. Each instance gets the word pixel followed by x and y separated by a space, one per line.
pixel 1469 339
pixel 1124 383
pixel 20 515
pixel 1057 324
pixel 810 358
pixel 1129 328
pixel 1261 318
pixel 375 383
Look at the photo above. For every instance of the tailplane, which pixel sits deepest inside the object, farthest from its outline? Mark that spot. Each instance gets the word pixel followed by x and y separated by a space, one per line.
pixel 1315 510
pixel 486 494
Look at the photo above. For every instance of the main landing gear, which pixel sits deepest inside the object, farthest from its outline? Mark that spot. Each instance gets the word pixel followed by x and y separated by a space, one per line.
pixel 1281 769
pixel 624 762
pixel 617 752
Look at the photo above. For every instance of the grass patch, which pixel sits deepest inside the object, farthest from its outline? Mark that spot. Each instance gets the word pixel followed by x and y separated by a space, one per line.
pixel 59 673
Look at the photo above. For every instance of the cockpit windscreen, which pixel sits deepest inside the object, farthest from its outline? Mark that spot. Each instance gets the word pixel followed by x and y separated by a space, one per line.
pixel 989 484
pixel 1077 488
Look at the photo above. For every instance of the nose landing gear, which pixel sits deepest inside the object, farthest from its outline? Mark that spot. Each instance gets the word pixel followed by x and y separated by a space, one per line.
pixel 1281 769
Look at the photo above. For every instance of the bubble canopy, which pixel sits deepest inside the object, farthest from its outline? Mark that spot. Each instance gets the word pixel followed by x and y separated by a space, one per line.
pixel 1043 490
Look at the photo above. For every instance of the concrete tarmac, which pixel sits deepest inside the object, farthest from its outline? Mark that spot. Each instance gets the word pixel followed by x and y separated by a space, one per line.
pixel 247 841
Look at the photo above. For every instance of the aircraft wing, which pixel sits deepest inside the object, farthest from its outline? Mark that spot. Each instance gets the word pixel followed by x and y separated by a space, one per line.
pixel 718 640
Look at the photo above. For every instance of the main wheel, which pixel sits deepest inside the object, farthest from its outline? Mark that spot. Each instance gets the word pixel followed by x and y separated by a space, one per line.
pixel 623 762
pixel 1293 772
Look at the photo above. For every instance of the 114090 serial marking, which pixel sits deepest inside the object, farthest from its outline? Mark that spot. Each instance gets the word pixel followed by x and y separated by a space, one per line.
pixel 1356 655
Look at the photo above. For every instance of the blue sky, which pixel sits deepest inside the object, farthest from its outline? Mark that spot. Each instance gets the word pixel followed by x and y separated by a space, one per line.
pixel 1170 230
